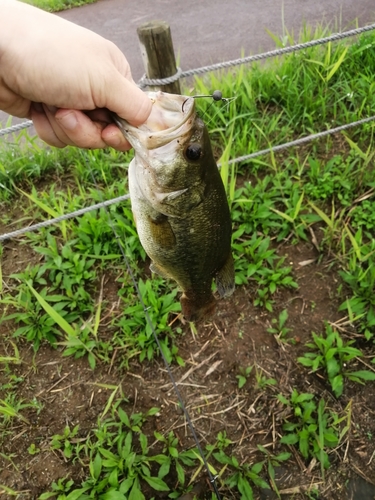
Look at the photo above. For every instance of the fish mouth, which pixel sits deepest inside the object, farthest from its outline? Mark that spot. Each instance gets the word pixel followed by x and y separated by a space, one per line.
pixel 170 118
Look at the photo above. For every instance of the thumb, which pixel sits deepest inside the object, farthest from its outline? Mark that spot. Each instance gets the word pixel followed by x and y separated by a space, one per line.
pixel 128 101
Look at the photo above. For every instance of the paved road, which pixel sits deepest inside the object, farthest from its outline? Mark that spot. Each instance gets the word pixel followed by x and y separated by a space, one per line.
pixel 215 30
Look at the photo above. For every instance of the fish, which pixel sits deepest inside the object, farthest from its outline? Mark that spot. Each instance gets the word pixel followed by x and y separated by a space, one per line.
pixel 179 202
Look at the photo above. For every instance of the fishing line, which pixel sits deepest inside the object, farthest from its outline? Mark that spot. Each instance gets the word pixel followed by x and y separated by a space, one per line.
pixel 217 96
pixel 212 478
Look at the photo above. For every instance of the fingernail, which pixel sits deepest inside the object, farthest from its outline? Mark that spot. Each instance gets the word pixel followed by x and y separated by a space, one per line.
pixel 68 121
pixel 115 140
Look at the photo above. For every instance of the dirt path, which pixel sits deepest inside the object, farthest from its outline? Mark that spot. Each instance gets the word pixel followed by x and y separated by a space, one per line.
pixel 213 31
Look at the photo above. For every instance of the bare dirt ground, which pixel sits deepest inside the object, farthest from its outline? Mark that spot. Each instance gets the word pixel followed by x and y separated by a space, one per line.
pixel 236 338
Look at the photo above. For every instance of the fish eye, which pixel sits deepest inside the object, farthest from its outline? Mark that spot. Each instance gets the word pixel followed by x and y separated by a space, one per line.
pixel 193 152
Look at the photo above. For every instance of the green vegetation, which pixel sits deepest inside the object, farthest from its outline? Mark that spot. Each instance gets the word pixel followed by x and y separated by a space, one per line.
pixel 333 355
pixel 301 324
pixel 279 329
pixel 311 427
pixel 243 375
pixel 56 5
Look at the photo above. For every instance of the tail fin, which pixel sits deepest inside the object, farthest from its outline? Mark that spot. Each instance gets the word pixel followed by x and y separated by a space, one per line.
pixel 197 309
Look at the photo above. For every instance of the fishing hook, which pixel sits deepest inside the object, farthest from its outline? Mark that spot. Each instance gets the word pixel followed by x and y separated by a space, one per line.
pixel 217 95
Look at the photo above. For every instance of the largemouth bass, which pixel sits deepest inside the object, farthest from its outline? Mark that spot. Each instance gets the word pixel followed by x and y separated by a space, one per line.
pixel 179 202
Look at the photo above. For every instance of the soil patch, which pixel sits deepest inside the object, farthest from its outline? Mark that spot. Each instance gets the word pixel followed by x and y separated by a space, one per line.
pixel 69 393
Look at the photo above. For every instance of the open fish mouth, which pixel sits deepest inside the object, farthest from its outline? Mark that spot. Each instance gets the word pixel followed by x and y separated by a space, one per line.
pixel 171 118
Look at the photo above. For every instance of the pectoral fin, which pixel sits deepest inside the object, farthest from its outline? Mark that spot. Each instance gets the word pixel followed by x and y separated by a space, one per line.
pixel 179 203
pixel 161 231
pixel 154 268
pixel 225 278
pixel 168 197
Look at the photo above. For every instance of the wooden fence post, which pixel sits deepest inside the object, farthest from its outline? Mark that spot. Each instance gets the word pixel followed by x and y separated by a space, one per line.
pixel 158 54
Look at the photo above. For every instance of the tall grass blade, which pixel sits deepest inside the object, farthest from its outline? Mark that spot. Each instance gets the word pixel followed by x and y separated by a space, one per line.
pixel 63 324
pixel 337 65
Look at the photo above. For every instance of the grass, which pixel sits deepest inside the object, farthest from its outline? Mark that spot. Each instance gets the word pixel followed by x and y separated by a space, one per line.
pixel 57 5
pixel 73 297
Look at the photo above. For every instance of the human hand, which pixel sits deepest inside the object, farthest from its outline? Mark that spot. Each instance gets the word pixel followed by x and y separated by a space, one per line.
pixel 66 79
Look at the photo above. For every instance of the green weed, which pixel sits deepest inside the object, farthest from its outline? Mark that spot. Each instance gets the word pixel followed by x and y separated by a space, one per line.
pixel 243 376
pixel 11 406
pixel 64 441
pixel 279 329
pixel 178 460
pixel 1 273
pixel 70 271
pixel 256 262
pixel 57 5
pixel 136 330
pixel 243 477
pixel 15 359
pixel 262 381
pixel 310 426
pixel 333 178
pixel 333 355
pixel 37 325
pixel 120 463
pixel 272 462
pixel 33 449
pixel 359 275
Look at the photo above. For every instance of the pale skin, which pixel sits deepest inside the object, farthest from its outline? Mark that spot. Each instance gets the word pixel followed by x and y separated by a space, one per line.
pixel 66 79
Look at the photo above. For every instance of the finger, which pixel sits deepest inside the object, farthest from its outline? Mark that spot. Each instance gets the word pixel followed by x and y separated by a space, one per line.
pixel 127 100
pixel 50 112
pixel 49 128
pixel 78 129
pixel 12 103
pixel 43 127
pixel 114 138
pixel 111 134
pixel 99 115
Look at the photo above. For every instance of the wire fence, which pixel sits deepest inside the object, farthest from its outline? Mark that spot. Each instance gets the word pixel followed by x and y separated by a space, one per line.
pixel 257 57
pixel 145 82
pixel 181 74
pixel 251 156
